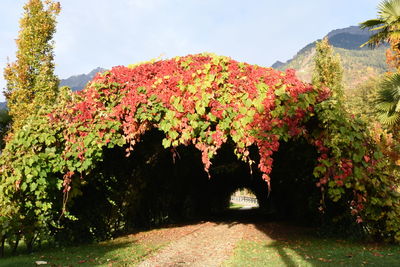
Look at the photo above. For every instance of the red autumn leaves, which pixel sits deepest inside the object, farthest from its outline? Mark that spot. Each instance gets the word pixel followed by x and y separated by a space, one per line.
pixel 198 99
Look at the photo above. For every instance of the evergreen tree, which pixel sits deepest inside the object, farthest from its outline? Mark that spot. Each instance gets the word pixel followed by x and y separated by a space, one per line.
pixel 328 70
pixel 31 82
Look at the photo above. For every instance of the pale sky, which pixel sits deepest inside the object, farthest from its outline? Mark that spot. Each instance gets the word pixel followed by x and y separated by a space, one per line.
pixel 106 33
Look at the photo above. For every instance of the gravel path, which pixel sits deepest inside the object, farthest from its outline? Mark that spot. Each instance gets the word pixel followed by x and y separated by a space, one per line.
pixel 207 245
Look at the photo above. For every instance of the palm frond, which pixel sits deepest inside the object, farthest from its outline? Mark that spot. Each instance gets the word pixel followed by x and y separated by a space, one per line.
pixel 385 107
pixel 378 28
pixel 389 95
pixel 372 23
pixel 397 108
pixel 389 10
pixel 392 83
pixel 377 38
pixel 386 26
pixel 388 119
pixel 388 100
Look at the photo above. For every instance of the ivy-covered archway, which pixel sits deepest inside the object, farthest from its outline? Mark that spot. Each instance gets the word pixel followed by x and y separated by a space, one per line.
pixel 198 100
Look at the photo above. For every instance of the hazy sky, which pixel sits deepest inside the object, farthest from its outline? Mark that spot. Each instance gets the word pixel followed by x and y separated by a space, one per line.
pixel 105 33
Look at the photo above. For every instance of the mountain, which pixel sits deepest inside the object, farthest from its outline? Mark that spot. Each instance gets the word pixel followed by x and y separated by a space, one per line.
pixel 3 105
pixel 78 82
pixel 358 63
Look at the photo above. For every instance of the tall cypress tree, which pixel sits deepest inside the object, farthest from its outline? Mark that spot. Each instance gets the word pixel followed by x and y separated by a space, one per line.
pixel 31 82
pixel 328 69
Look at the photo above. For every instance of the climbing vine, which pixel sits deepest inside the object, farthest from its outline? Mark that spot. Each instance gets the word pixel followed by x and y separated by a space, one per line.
pixel 201 100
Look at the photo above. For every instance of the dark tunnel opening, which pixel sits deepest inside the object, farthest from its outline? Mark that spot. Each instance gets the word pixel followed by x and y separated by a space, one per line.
pixel 155 186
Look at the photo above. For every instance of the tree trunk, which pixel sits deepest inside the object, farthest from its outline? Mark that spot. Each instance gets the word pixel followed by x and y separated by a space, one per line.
pixel 15 247
pixel 30 242
pixel 29 245
pixel 3 241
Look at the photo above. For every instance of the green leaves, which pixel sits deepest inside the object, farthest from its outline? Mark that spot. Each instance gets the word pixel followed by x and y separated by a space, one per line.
pixel 359 168
pixel 176 103
pixel 166 143
pixel 281 91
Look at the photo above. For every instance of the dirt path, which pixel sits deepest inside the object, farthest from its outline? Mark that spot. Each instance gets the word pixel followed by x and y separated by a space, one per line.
pixel 208 244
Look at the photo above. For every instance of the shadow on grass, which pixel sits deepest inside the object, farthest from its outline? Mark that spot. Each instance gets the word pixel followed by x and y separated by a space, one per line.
pixel 122 251
pixel 272 243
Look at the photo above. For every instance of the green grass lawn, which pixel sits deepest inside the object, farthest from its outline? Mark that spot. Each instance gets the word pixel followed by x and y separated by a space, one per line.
pixel 122 251
pixel 313 252
pixel 277 247
pixel 235 206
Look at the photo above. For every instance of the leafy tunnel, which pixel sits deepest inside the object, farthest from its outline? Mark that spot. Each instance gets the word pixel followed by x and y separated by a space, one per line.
pixel 138 145
pixel 155 186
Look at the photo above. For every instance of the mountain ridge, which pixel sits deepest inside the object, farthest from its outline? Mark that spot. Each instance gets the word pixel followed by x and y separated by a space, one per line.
pixel 338 38
pixel 359 63
pixel 78 82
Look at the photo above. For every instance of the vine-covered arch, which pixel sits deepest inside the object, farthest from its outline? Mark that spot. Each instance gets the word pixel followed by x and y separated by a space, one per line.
pixel 201 100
